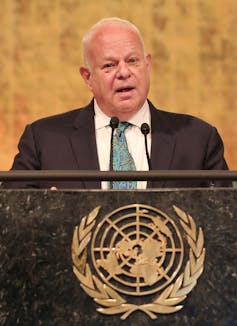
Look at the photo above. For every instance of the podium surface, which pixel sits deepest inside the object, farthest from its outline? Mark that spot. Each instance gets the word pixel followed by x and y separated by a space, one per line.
pixel 39 278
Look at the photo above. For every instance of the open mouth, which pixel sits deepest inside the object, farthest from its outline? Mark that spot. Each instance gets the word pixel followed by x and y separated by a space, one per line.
pixel 125 89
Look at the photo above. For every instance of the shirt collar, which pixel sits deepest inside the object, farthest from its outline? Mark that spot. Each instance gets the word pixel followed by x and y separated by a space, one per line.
pixel 141 116
pixel 101 119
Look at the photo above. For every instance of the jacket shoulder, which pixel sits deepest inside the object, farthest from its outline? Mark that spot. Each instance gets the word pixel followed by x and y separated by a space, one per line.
pixel 176 121
pixel 62 119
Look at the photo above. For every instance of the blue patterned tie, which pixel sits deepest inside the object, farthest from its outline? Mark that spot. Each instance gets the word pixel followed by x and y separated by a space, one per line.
pixel 122 159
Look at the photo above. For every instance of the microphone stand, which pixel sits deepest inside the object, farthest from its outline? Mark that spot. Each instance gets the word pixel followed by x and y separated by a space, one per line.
pixel 145 129
pixel 114 121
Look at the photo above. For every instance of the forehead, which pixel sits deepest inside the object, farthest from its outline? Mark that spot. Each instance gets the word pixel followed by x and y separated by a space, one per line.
pixel 112 38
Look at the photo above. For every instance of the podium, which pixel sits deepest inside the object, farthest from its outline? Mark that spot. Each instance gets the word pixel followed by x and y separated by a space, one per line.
pixel 45 251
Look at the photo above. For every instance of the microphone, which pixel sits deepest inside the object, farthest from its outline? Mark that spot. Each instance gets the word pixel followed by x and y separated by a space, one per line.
pixel 114 121
pixel 145 129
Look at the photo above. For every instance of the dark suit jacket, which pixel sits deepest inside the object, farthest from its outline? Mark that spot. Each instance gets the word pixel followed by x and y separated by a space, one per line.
pixel 67 142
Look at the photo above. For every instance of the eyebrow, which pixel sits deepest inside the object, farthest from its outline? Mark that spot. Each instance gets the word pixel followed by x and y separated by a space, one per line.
pixel 115 59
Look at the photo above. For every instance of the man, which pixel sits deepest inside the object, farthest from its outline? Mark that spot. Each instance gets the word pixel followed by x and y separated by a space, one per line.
pixel 117 72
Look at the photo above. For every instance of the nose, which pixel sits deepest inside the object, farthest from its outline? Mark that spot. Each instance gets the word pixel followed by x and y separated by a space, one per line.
pixel 123 71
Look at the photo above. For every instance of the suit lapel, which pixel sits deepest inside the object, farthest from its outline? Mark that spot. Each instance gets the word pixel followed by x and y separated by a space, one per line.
pixel 162 145
pixel 84 143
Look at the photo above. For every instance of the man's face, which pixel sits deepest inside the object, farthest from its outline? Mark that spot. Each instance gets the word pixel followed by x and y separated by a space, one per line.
pixel 119 75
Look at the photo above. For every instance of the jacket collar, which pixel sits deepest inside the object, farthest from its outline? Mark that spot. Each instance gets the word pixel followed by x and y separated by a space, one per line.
pixel 162 144
pixel 83 143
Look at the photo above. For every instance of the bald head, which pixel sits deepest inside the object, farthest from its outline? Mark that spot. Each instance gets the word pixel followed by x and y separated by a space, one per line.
pixel 95 30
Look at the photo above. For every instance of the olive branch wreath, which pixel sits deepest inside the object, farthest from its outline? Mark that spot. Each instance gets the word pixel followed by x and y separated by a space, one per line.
pixel 112 303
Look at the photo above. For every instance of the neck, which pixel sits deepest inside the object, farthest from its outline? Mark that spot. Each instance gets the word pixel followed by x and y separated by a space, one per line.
pixel 124 116
pixel 121 115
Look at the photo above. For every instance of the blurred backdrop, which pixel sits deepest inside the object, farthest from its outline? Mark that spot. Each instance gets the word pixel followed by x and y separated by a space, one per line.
pixel 193 44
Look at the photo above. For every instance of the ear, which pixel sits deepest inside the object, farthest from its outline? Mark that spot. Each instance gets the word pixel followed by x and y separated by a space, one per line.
pixel 148 61
pixel 86 75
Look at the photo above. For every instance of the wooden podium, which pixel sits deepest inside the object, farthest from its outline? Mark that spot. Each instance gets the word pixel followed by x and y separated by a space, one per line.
pixel 56 268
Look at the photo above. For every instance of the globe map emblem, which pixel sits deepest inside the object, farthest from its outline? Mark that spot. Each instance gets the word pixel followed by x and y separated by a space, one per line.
pixel 137 249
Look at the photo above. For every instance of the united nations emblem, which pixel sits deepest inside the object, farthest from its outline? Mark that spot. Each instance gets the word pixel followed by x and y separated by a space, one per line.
pixel 134 259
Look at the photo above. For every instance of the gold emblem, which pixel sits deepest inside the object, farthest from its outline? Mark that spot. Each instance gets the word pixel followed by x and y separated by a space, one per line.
pixel 137 251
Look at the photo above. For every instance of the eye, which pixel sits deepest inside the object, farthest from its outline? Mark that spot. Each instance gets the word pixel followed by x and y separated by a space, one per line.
pixel 133 60
pixel 108 65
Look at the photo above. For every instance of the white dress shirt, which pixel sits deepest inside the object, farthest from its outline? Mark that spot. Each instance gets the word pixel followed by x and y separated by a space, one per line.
pixel 134 136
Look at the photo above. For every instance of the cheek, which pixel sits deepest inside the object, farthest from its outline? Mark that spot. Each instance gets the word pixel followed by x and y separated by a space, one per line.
pixel 107 85
pixel 96 83
pixel 144 80
pixel 102 87
pixel 104 84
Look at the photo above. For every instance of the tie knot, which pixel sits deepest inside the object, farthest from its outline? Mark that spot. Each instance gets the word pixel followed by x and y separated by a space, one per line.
pixel 123 126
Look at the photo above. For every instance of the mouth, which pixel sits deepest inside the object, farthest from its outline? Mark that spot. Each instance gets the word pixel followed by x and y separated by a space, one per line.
pixel 124 89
